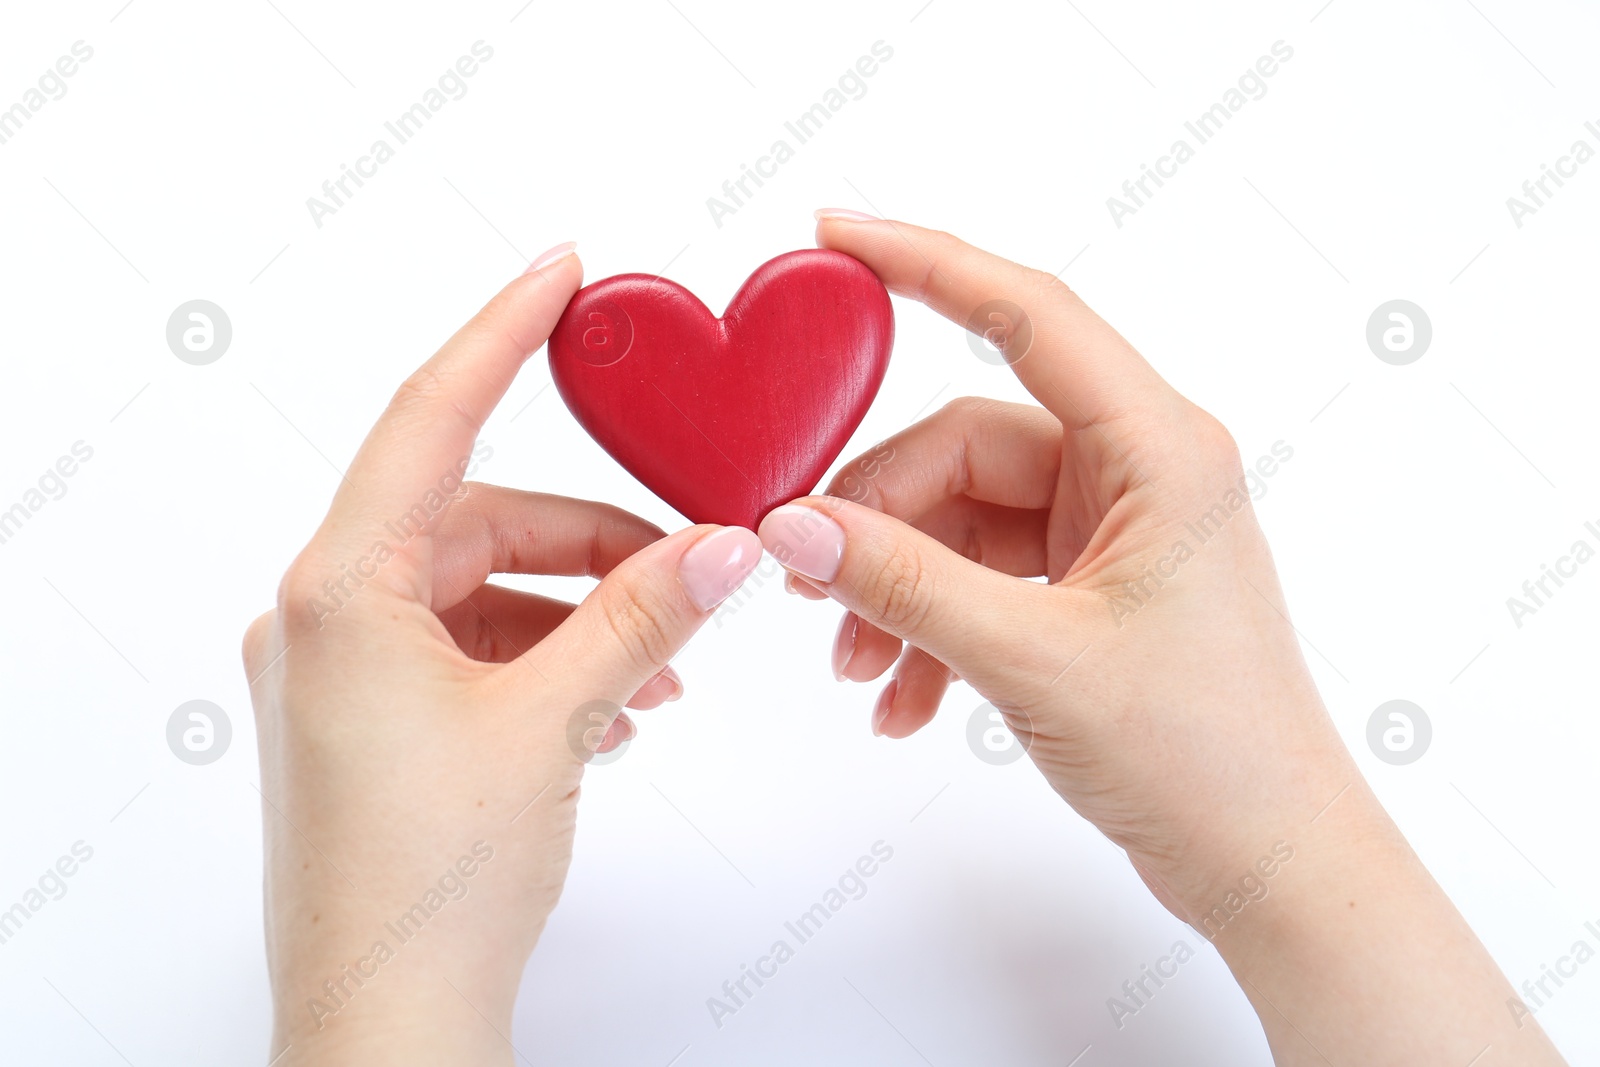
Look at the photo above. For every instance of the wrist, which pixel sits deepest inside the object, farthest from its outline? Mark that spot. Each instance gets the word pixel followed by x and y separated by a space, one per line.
pixel 351 986
pixel 391 974
pixel 432 1016
pixel 1278 820
pixel 1331 956
pixel 1283 902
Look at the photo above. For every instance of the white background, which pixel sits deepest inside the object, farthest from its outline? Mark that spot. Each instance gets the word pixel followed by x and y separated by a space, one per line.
pixel 1419 498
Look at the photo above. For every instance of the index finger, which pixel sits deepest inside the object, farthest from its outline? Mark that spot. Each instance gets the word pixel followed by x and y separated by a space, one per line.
pixel 418 452
pixel 1068 357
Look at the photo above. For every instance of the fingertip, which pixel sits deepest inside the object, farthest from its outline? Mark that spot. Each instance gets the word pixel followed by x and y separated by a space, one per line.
pixel 802 588
pixel 885 705
pixel 849 231
pixel 914 694
pixel 621 731
pixel 842 214
pixel 804 538
pixel 554 257
pixel 844 645
pixel 871 651
pixel 663 688
pixel 894 717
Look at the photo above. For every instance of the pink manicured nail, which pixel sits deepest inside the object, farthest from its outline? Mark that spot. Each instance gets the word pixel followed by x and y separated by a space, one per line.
pixel 885 701
pixel 804 540
pixel 664 687
pixel 843 214
pixel 844 643
pixel 715 565
pixel 802 588
pixel 555 255
pixel 619 732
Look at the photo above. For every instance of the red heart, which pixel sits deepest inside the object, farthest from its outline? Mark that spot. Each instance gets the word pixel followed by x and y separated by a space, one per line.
pixel 727 418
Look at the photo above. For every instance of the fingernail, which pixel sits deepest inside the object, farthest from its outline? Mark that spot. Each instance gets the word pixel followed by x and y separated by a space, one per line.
pixel 619 732
pixel 843 214
pixel 844 644
pixel 804 540
pixel 664 686
pixel 881 711
pixel 555 255
pixel 802 588
pixel 715 565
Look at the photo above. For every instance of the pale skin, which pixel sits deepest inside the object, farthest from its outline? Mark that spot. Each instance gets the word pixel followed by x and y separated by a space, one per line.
pixel 433 713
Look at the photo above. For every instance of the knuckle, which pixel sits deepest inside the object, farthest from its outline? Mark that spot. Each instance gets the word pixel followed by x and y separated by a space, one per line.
pixel 849 484
pixel 900 591
pixel 935 246
pixel 965 407
pixel 422 388
pixel 641 626
pixel 1055 290
pixel 942 244
pixel 499 326
pixel 856 480
pixel 297 590
pixel 1044 284
pixel 427 394
pixel 256 638
pixel 1214 442
pixel 303 599
pixel 1047 298
pixel 966 411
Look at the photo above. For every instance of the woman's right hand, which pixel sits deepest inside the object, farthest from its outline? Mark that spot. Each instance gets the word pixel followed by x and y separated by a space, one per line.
pixel 1154 676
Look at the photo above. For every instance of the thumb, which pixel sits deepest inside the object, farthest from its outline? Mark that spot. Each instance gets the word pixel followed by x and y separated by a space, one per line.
pixel 645 611
pixel 976 621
